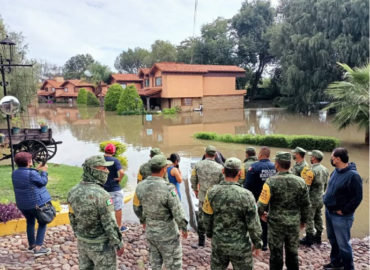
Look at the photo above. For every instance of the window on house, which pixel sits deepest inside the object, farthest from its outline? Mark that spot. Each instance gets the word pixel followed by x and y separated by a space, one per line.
pixel 146 84
pixel 123 85
pixel 53 89
pixel 46 89
pixel 158 81
pixel 186 102
pixel 66 89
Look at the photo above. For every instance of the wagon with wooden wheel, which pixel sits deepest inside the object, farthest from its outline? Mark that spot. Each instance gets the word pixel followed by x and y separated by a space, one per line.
pixel 40 145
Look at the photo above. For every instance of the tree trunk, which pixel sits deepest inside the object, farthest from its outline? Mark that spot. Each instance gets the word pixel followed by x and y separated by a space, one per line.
pixel 367 137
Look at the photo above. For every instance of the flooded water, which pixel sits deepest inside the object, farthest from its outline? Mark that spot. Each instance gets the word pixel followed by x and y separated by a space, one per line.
pixel 81 130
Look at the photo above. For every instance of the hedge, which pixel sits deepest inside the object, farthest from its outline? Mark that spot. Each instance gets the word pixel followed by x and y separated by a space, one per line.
pixel 112 97
pixel 82 96
pixel 92 100
pixel 323 143
pixel 129 101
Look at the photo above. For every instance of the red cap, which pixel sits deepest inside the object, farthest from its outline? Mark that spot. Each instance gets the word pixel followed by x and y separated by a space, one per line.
pixel 110 149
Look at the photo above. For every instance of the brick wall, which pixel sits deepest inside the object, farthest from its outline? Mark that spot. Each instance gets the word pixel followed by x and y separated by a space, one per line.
pixel 223 102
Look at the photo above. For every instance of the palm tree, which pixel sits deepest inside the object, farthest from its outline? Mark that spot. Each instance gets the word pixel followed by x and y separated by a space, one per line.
pixel 350 99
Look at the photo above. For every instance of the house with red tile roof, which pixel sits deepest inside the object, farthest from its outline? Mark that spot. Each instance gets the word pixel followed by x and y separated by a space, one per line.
pixel 69 89
pixel 169 84
pixel 48 89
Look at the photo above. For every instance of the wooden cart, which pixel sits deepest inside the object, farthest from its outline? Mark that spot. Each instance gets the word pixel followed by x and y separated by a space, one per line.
pixel 41 145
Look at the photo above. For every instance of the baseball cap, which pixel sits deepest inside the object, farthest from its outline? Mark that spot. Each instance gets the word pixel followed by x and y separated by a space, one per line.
pixel 158 162
pixel 155 151
pixel 233 163
pixel 98 160
pixel 210 150
pixel 250 148
pixel 110 148
pixel 316 154
pixel 283 156
pixel 299 150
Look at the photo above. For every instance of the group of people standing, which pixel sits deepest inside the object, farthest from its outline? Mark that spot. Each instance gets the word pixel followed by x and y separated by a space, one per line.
pixel 244 207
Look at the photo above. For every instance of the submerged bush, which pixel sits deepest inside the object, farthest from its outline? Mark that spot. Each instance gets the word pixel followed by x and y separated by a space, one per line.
pixel 92 100
pixel 323 143
pixel 82 96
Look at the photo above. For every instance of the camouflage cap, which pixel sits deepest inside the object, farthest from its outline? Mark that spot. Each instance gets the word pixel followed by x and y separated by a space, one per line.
pixel 299 150
pixel 250 148
pixel 158 162
pixel 233 163
pixel 155 151
pixel 95 161
pixel 210 150
pixel 317 154
pixel 283 156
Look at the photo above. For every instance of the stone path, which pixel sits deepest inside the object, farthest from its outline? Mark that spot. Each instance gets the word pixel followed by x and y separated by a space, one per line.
pixel 14 255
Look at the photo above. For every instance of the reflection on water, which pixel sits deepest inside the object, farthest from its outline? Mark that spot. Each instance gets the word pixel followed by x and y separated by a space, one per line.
pixel 82 128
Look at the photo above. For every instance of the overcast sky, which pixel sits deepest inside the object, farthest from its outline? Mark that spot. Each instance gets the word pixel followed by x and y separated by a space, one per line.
pixel 56 30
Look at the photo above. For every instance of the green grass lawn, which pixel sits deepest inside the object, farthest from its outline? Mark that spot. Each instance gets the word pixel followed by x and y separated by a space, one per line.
pixel 61 179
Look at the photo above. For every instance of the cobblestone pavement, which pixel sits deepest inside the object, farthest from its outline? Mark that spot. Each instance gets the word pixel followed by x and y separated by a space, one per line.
pixel 14 254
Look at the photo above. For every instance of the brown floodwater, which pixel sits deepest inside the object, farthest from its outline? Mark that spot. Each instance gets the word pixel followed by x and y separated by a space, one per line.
pixel 82 128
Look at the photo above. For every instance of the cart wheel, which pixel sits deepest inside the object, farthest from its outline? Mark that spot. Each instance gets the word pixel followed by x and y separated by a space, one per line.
pixel 52 148
pixel 37 149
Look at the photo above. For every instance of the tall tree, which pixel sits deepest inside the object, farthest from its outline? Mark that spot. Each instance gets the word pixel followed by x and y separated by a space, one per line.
pixel 162 51
pixel 131 61
pixel 216 44
pixel 311 37
pixel 350 99
pixel 251 25
pixel 75 67
pixel 98 73
pixel 49 70
pixel 23 82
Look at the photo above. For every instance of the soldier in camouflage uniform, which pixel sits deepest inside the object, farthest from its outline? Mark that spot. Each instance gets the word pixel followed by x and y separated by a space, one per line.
pixel 316 179
pixel 231 220
pixel 250 158
pixel 286 197
pixel 300 162
pixel 205 174
pixel 144 170
pixel 92 218
pixel 159 209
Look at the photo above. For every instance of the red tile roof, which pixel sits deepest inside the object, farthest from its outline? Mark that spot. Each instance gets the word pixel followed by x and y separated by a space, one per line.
pixel 53 83
pixel 126 77
pixel 65 94
pixel 144 71
pixel 44 93
pixel 189 68
pixel 150 91
pixel 77 83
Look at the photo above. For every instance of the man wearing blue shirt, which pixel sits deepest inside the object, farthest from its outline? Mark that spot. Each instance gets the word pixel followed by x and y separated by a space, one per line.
pixel 342 197
pixel 257 175
pixel 112 185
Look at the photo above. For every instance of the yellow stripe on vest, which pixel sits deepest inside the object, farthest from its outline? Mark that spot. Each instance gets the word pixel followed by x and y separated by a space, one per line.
pixel 207 206
pixel 136 201
pixel 265 194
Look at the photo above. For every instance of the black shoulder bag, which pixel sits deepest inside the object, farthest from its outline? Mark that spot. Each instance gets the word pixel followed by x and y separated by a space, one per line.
pixel 45 213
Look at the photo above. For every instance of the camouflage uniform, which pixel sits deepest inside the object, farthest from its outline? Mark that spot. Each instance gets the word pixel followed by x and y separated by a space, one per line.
pixel 286 196
pixel 299 166
pixel 92 218
pixel 206 174
pixel 316 180
pixel 144 170
pixel 247 163
pixel 157 205
pixel 232 221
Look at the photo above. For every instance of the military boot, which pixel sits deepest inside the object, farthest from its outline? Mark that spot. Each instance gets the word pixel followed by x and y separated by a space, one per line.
pixel 307 240
pixel 317 238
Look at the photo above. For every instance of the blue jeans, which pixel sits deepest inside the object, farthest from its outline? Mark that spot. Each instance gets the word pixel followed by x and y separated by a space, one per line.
pixel 30 216
pixel 338 229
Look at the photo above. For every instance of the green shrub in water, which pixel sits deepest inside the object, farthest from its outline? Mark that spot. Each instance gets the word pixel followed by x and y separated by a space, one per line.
pixel 82 96
pixel 92 100
pixel 323 143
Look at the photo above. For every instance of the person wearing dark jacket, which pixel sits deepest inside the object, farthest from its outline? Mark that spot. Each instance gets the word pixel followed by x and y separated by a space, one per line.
pixel 342 197
pixel 256 176
pixel 30 191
